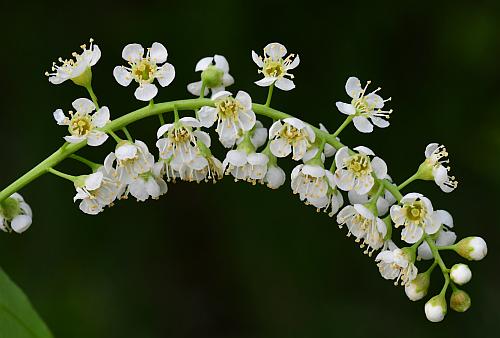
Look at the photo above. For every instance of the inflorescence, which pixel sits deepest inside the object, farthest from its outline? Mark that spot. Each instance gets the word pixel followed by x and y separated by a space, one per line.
pixel 376 209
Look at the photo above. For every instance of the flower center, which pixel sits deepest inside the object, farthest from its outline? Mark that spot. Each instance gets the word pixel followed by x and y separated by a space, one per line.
pixel 415 211
pixel 273 68
pixel 144 70
pixel 80 125
pixel 229 108
pixel 291 133
pixel 180 135
pixel 359 165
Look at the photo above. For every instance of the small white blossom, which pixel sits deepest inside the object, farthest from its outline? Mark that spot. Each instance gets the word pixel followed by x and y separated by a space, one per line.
pixel 132 159
pixel 417 216
pixel 383 202
pixel 145 69
pixel 233 115
pixel 433 167
pixel 364 107
pixel 219 66
pixel 179 146
pixel 364 225
pixel 275 177
pixel 15 214
pixel 97 191
pixel 311 182
pixel 148 184
pixel 292 135
pixel 435 309
pixel 83 124
pixel 245 166
pixel 330 203
pixel 77 69
pixel 274 67
pixel 397 264
pixel 356 171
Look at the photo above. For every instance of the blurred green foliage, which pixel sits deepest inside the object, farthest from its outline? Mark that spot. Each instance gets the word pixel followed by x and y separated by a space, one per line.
pixel 232 260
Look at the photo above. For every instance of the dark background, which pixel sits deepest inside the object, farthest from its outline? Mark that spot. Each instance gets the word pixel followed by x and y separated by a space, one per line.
pixel 232 260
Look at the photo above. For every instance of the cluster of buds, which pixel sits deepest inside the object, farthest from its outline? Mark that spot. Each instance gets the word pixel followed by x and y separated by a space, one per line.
pixel 401 230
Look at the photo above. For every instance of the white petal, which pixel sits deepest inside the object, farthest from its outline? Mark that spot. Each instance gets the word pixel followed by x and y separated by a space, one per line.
pixel 207 115
pixel 364 150
pixel 345 108
pixel 256 58
pixel 132 52
pixel 236 157
pixel 203 137
pixel 122 75
pixel 280 148
pixel 353 87
pixel 158 53
pixel 146 92
pixel 379 167
pixel 126 151
pixel 431 147
pixel 379 122
pixel 285 84
pixel 265 82
pixel 203 64
pixel 165 75
pixel 164 129
pixel 83 105
pixel 74 139
pixel 362 124
pixel 294 63
pixel 295 122
pixel 221 95
pixel 96 138
pixel 244 99
pixel 101 117
pixel 195 88
pixel 96 55
pixel 221 63
pixel 444 217
pixel 275 50
pixel 60 118
pixel 20 223
pixel 94 181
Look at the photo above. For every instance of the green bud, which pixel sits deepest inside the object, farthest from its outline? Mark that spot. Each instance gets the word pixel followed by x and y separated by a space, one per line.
pixel 473 248
pixel 417 288
pixel 425 171
pixel 460 301
pixel 212 77
pixel 84 79
pixel 10 208
pixel 435 308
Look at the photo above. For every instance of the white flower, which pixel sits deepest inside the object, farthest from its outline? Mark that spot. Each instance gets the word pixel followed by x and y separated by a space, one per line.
pixel 274 67
pixel 145 69
pixel 203 168
pixel 217 75
pixel 15 214
pixel 77 70
pixel 132 160
pixel 275 177
pixel 250 166
pixel 180 144
pixel 364 225
pixel 433 168
pixel 233 115
pixel 97 191
pixel 291 136
pixel 417 216
pixel 397 264
pixel 356 171
pixel 148 184
pixel 311 181
pixel 332 201
pixel 435 309
pixel 364 107
pixel 444 237
pixel 460 274
pixel 83 124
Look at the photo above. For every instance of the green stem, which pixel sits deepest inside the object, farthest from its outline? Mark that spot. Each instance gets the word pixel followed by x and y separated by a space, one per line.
pixel 92 95
pixel 202 90
pixel 62 175
pixel 408 181
pixel 447 247
pixel 374 198
pixel 393 190
pixel 343 125
pixel 114 136
pixel 439 260
pixel 269 95
pixel 127 134
pixel 94 166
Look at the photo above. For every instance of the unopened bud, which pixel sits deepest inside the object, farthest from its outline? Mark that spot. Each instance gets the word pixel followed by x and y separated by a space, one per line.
pixel 212 77
pixel 435 309
pixel 460 301
pixel 472 248
pixel 417 288
pixel 460 274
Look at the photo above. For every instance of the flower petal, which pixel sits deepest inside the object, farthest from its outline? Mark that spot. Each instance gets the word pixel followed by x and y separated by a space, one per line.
pixel 165 75
pixel 158 53
pixel 362 124
pixel 146 92
pixel 133 52
pixel 285 84
pixel 122 76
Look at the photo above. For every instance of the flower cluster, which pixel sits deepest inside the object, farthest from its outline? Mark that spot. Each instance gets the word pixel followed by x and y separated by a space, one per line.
pixel 327 172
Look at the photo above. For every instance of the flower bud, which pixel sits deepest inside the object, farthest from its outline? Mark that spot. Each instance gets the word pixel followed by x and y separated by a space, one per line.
pixel 212 77
pixel 417 288
pixel 460 274
pixel 460 301
pixel 435 308
pixel 472 248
